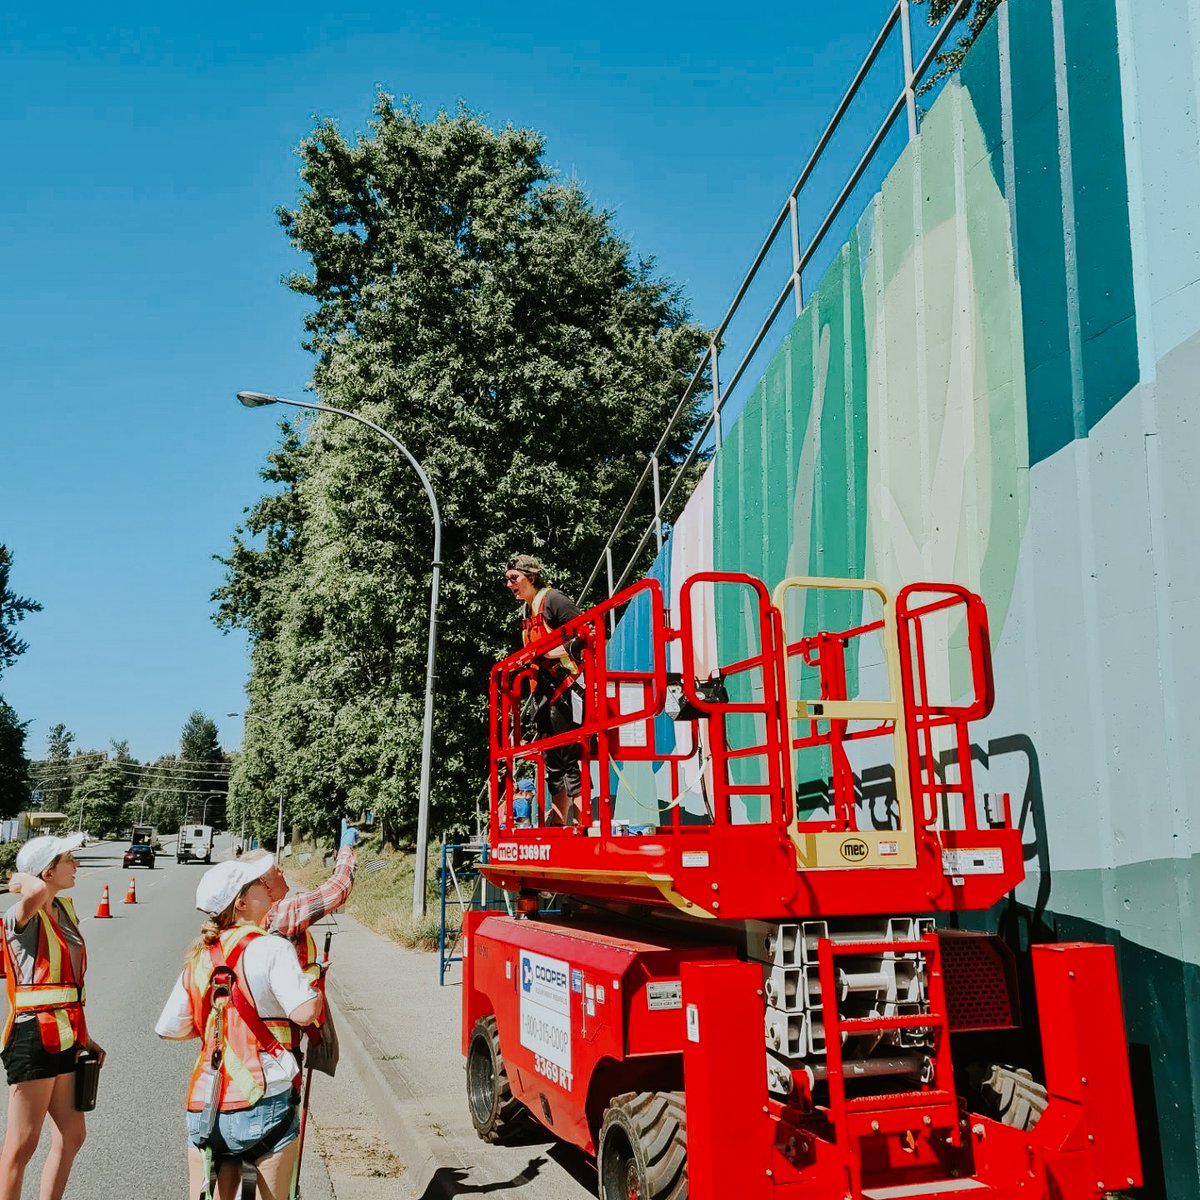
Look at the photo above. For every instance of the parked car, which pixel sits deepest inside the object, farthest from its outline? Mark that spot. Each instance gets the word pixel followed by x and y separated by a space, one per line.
pixel 141 854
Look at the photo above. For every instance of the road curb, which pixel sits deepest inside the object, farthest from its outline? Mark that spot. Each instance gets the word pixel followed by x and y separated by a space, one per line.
pixel 404 1120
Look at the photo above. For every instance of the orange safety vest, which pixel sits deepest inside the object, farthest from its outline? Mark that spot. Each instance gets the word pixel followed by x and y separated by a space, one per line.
pixel 55 995
pixel 232 1033
pixel 310 964
pixel 534 627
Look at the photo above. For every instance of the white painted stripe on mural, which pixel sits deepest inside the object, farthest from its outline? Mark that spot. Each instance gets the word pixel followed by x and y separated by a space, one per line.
pixel 1006 135
pixel 1135 185
pixel 848 409
pixel 966 340
pixel 1067 181
pixel 924 466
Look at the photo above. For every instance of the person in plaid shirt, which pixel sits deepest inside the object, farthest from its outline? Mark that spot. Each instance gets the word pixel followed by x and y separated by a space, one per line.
pixel 290 916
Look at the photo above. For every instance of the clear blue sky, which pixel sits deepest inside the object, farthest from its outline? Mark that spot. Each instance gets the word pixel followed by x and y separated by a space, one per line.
pixel 145 148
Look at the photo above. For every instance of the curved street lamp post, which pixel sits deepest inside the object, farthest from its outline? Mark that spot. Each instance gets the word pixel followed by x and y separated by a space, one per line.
pixel 257 400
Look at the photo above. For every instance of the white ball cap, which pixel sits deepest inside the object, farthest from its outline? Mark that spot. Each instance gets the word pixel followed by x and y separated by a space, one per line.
pixel 219 886
pixel 39 852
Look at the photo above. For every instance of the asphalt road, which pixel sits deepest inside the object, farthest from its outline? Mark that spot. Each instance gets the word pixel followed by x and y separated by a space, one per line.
pixel 135 1143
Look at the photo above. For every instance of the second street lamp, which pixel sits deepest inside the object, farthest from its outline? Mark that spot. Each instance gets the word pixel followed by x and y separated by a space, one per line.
pixel 257 400
pixel 249 716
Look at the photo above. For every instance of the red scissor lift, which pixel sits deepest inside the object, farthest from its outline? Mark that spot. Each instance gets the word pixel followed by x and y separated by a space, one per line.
pixel 746 984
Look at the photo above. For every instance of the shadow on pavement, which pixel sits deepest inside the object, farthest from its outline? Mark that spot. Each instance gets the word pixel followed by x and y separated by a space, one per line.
pixel 452 1181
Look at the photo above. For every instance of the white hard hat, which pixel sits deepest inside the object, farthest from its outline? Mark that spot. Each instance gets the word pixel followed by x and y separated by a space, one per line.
pixel 219 886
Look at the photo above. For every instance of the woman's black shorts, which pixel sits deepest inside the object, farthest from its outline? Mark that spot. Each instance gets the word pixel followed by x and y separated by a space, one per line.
pixel 25 1058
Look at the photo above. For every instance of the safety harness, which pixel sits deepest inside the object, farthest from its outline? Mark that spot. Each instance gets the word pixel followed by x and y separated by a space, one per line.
pixel 534 627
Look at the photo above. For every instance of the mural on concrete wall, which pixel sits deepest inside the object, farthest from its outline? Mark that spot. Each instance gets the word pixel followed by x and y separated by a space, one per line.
pixel 993 385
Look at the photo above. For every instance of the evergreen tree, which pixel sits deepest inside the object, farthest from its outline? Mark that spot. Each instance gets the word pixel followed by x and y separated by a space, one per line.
pixel 53 775
pixel 490 317
pixel 14 766
pixel 204 765
pixel 13 608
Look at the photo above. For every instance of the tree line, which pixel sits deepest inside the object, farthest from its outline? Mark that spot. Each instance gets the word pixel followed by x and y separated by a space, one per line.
pixel 106 792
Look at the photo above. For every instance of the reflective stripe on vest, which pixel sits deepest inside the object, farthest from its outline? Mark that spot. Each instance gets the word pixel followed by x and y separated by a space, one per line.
pixel 55 997
pixel 242 1081
pixel 306 952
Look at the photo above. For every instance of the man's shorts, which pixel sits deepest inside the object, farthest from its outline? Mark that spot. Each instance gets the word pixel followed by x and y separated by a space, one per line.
pixel 252 1133
pixel 26 1059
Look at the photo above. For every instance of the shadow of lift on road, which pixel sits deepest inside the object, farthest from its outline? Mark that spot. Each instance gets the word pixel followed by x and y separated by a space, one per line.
pixel 454 1181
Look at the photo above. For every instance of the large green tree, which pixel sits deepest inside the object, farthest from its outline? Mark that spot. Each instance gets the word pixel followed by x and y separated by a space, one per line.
pixel 98 802
pixel 482 310
pixel 205 768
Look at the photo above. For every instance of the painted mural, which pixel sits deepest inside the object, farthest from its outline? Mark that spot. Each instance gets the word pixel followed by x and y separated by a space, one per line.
pixel 996 383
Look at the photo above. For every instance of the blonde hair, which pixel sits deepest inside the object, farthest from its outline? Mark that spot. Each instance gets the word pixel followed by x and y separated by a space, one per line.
pixel 214 925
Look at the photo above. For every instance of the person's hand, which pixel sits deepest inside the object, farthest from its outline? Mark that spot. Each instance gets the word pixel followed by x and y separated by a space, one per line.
pixel 97 1050
pixel 349 838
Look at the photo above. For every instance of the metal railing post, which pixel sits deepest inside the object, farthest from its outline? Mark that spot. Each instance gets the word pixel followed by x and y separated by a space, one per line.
pixel 657 503
pixel 910 99
pixel 716 393
pixel 612 623
pixel 797 283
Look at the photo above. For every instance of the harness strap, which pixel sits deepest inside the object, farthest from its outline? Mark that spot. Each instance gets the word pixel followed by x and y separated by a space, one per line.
pixel 266 1033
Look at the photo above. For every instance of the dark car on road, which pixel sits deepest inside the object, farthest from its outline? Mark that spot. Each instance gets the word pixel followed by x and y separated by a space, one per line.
pixel 140 854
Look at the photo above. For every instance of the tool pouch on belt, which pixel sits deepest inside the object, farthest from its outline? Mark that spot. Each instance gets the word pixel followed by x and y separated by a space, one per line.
pixel 220 989
pixel 321 1048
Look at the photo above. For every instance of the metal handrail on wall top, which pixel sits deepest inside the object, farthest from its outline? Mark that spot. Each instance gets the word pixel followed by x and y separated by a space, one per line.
pixel 801 257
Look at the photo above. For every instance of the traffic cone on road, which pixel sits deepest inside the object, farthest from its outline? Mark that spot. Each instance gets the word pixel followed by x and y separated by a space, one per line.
pixel 105 909
pixel 131 895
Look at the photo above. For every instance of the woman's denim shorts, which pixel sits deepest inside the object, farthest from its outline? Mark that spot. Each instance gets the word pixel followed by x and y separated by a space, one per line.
pixel 252 1133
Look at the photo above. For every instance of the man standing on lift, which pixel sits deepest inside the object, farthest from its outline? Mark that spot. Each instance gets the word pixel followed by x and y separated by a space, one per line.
pixel 558 701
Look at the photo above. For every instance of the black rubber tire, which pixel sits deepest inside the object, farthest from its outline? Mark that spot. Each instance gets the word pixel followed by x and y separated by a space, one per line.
pixel 642 1149
pixel 495 1111
pixel 208 857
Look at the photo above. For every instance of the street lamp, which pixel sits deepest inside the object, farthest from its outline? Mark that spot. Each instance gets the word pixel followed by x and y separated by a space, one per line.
pixel 249 716
pixel 257 400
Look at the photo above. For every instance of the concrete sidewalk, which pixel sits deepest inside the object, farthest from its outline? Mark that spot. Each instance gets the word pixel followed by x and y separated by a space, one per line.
pixel 400 1031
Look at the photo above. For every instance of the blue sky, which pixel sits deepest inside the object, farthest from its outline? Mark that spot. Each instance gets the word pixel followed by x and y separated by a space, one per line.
pixel 145 149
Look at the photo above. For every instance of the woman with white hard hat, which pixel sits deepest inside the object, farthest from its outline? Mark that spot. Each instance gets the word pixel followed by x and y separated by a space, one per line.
pixel 44 960
pixel 243 993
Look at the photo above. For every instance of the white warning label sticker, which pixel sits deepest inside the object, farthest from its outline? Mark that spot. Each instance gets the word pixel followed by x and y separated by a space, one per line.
pixel 972 862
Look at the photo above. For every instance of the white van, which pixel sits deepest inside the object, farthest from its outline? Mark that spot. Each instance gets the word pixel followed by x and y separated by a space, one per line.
pixel 195 844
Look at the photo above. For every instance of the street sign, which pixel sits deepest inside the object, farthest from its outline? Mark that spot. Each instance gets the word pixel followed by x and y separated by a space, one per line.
pixel 35 797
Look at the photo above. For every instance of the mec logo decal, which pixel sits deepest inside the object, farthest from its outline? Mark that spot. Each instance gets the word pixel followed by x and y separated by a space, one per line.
pixel 526 974
pixel 854 850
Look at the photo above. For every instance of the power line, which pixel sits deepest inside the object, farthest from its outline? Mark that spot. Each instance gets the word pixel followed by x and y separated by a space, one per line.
pixel 61 773
pixel 103 754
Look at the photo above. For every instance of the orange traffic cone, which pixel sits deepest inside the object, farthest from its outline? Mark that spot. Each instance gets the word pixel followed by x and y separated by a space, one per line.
pixel 131 895
pixel 105 910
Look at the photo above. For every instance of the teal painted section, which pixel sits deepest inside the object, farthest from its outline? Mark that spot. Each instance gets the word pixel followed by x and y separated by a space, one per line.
pixel 994 383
